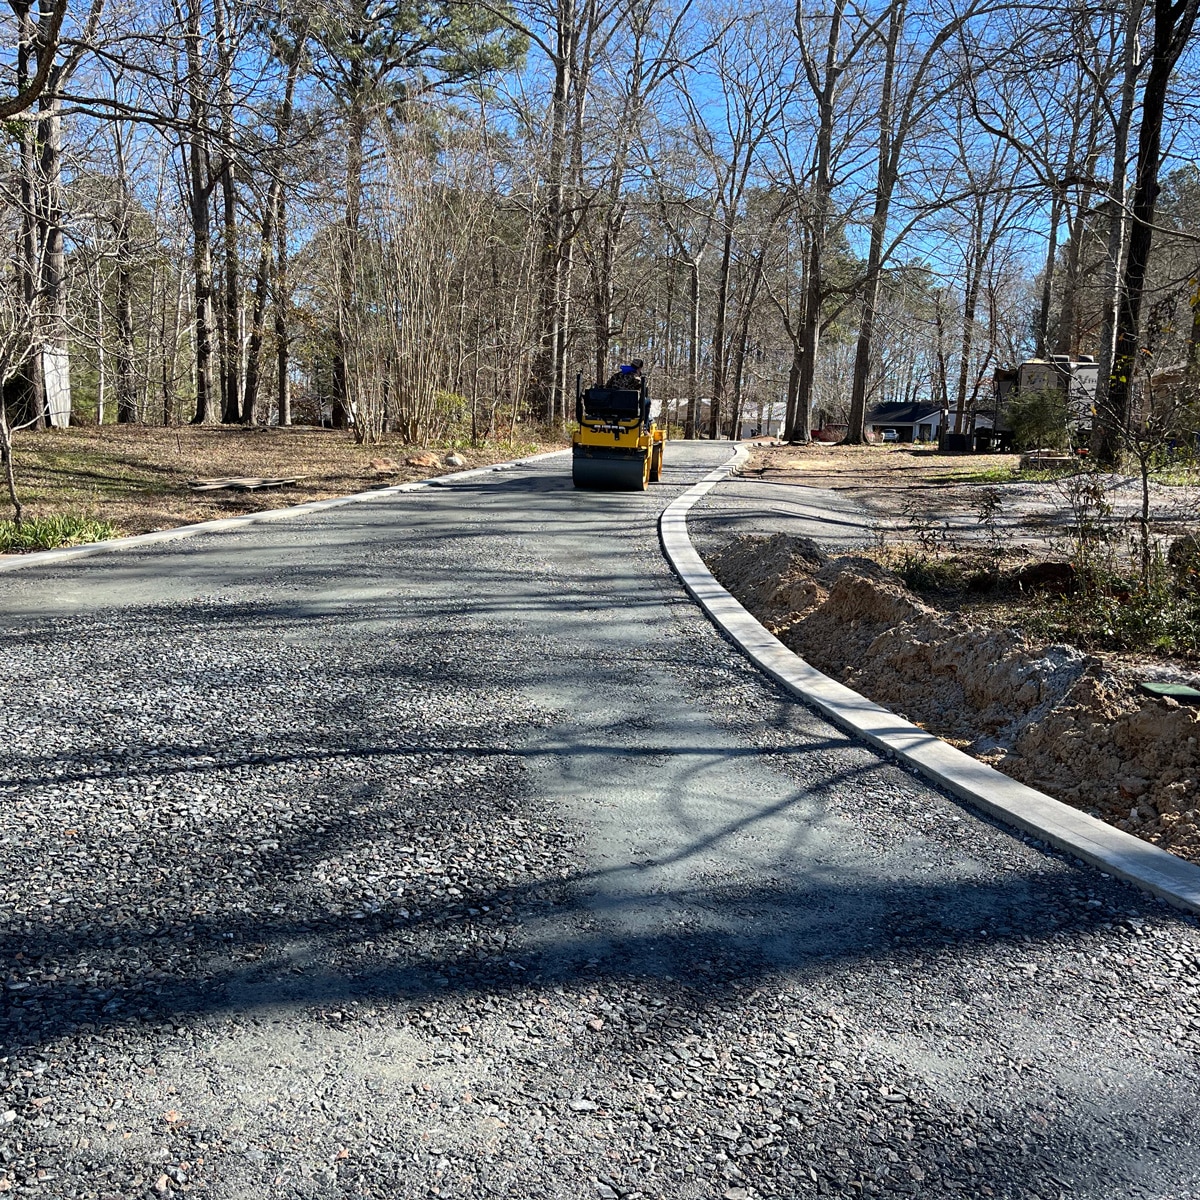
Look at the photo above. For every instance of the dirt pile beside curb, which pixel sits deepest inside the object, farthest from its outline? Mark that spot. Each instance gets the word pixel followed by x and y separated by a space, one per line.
pixel 1135 759
pixel 1050 716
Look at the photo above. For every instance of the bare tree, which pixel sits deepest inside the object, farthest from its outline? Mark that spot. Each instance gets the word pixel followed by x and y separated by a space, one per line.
pixel 687 212
pixel 752 78
pixel 46 373
pixel 375 61
pixel 847 42
pixel 41 41
pixel 650 58
pixel 271 276
pixel 914 82
pixel 1173 25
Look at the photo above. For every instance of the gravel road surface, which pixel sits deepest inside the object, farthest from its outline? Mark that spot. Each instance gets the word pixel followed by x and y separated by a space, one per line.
pixel 437 847
pixel 745 506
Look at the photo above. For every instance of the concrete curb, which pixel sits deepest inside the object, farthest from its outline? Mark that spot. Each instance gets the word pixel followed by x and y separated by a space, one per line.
pixel 1112 850
pixel 225 524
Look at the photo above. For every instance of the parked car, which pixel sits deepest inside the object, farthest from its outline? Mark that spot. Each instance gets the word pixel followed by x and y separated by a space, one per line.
pixel 889 435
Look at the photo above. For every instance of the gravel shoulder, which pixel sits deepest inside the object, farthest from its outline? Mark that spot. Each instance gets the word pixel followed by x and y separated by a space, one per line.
pixel 439 847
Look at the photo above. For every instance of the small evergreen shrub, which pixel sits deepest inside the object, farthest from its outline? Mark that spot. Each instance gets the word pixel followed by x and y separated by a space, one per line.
pixel 51 533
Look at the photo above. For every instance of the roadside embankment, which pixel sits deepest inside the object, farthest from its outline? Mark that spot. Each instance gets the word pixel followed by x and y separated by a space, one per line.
pixel 1052 717
pixel 137 479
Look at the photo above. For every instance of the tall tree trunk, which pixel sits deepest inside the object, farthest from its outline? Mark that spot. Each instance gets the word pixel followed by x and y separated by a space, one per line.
pixel 1066 341
pixel 885 184
pixel 941 391
pixel 231 341
pixel 341 402
pixel 198 192
pixel 793 391
pixel 1103 430
pixel 258 317
pixel 53 342
pixel 127 406
pixel 693 406
pixel 739 375
pixel 562 356
pixel 283 309
pixel 810 333
pixel 718 340
pixel 127 391
pixel 31 406
pixel 856 426
pixel 602 300
pixel 743 340
pixel 604 290
pixel 977 257
pixel 202 290
pixel 1042 329
pixel 548 364
pixel 101 363
pixel 1173 24
pixel 272 215
pixel 799 427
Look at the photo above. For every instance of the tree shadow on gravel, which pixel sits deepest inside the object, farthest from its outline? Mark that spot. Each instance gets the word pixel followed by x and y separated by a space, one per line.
pixel 740 938
pixel 812 918
pixel 736 938
pixel 734 934
pixel 51 769
pixel 257 952
pixel 317 595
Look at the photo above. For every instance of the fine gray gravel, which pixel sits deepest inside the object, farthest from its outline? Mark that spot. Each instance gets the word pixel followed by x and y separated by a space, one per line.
pixel 436 846
pixel 744 505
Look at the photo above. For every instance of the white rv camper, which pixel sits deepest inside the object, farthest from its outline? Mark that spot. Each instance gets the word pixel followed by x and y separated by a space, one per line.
pixel 1077 377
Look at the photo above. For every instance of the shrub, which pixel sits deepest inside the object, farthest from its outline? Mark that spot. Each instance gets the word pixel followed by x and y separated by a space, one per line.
pixel 1183 557
pixel 1154 621
pixel 50 533
pixel 1039 419
pixel 923 573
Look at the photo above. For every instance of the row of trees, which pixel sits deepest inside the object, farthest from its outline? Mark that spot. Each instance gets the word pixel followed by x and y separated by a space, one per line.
pixel 429 215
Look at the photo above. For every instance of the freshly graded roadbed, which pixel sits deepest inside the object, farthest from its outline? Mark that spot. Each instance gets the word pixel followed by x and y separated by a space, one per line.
pixel 438 846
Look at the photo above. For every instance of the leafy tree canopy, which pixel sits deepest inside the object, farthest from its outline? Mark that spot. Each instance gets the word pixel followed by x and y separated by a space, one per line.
pixel 378 54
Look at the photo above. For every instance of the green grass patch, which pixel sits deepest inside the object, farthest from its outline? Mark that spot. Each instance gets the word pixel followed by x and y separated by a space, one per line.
pixel 996 473
pixel 51 533
pixel 1181 476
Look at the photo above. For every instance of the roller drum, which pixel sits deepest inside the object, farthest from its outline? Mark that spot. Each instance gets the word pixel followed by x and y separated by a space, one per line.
pixel 624 474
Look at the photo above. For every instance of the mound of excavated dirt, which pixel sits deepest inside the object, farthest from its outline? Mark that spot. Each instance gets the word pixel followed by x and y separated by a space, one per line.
pixel 1052 717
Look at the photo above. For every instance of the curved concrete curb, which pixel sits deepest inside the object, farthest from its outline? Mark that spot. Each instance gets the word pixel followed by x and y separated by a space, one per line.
pixel 1110 849
pixel 225 524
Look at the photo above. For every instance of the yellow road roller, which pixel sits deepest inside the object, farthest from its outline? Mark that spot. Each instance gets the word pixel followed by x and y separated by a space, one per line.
pixel 617 446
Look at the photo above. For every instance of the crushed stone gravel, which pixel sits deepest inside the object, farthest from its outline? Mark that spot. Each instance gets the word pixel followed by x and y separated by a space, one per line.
pixel 383 869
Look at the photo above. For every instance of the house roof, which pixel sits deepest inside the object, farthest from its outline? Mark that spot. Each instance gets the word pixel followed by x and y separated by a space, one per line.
pixel 901 414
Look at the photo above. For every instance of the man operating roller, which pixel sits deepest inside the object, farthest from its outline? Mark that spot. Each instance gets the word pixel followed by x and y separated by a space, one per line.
pixel 618 446
pixel 629 376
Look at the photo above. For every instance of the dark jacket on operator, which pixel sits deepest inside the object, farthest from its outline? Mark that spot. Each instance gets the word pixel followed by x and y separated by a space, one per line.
pixel 625 379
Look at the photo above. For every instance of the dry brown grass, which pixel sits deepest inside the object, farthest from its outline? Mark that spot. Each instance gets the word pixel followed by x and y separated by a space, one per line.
pixel 136 476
